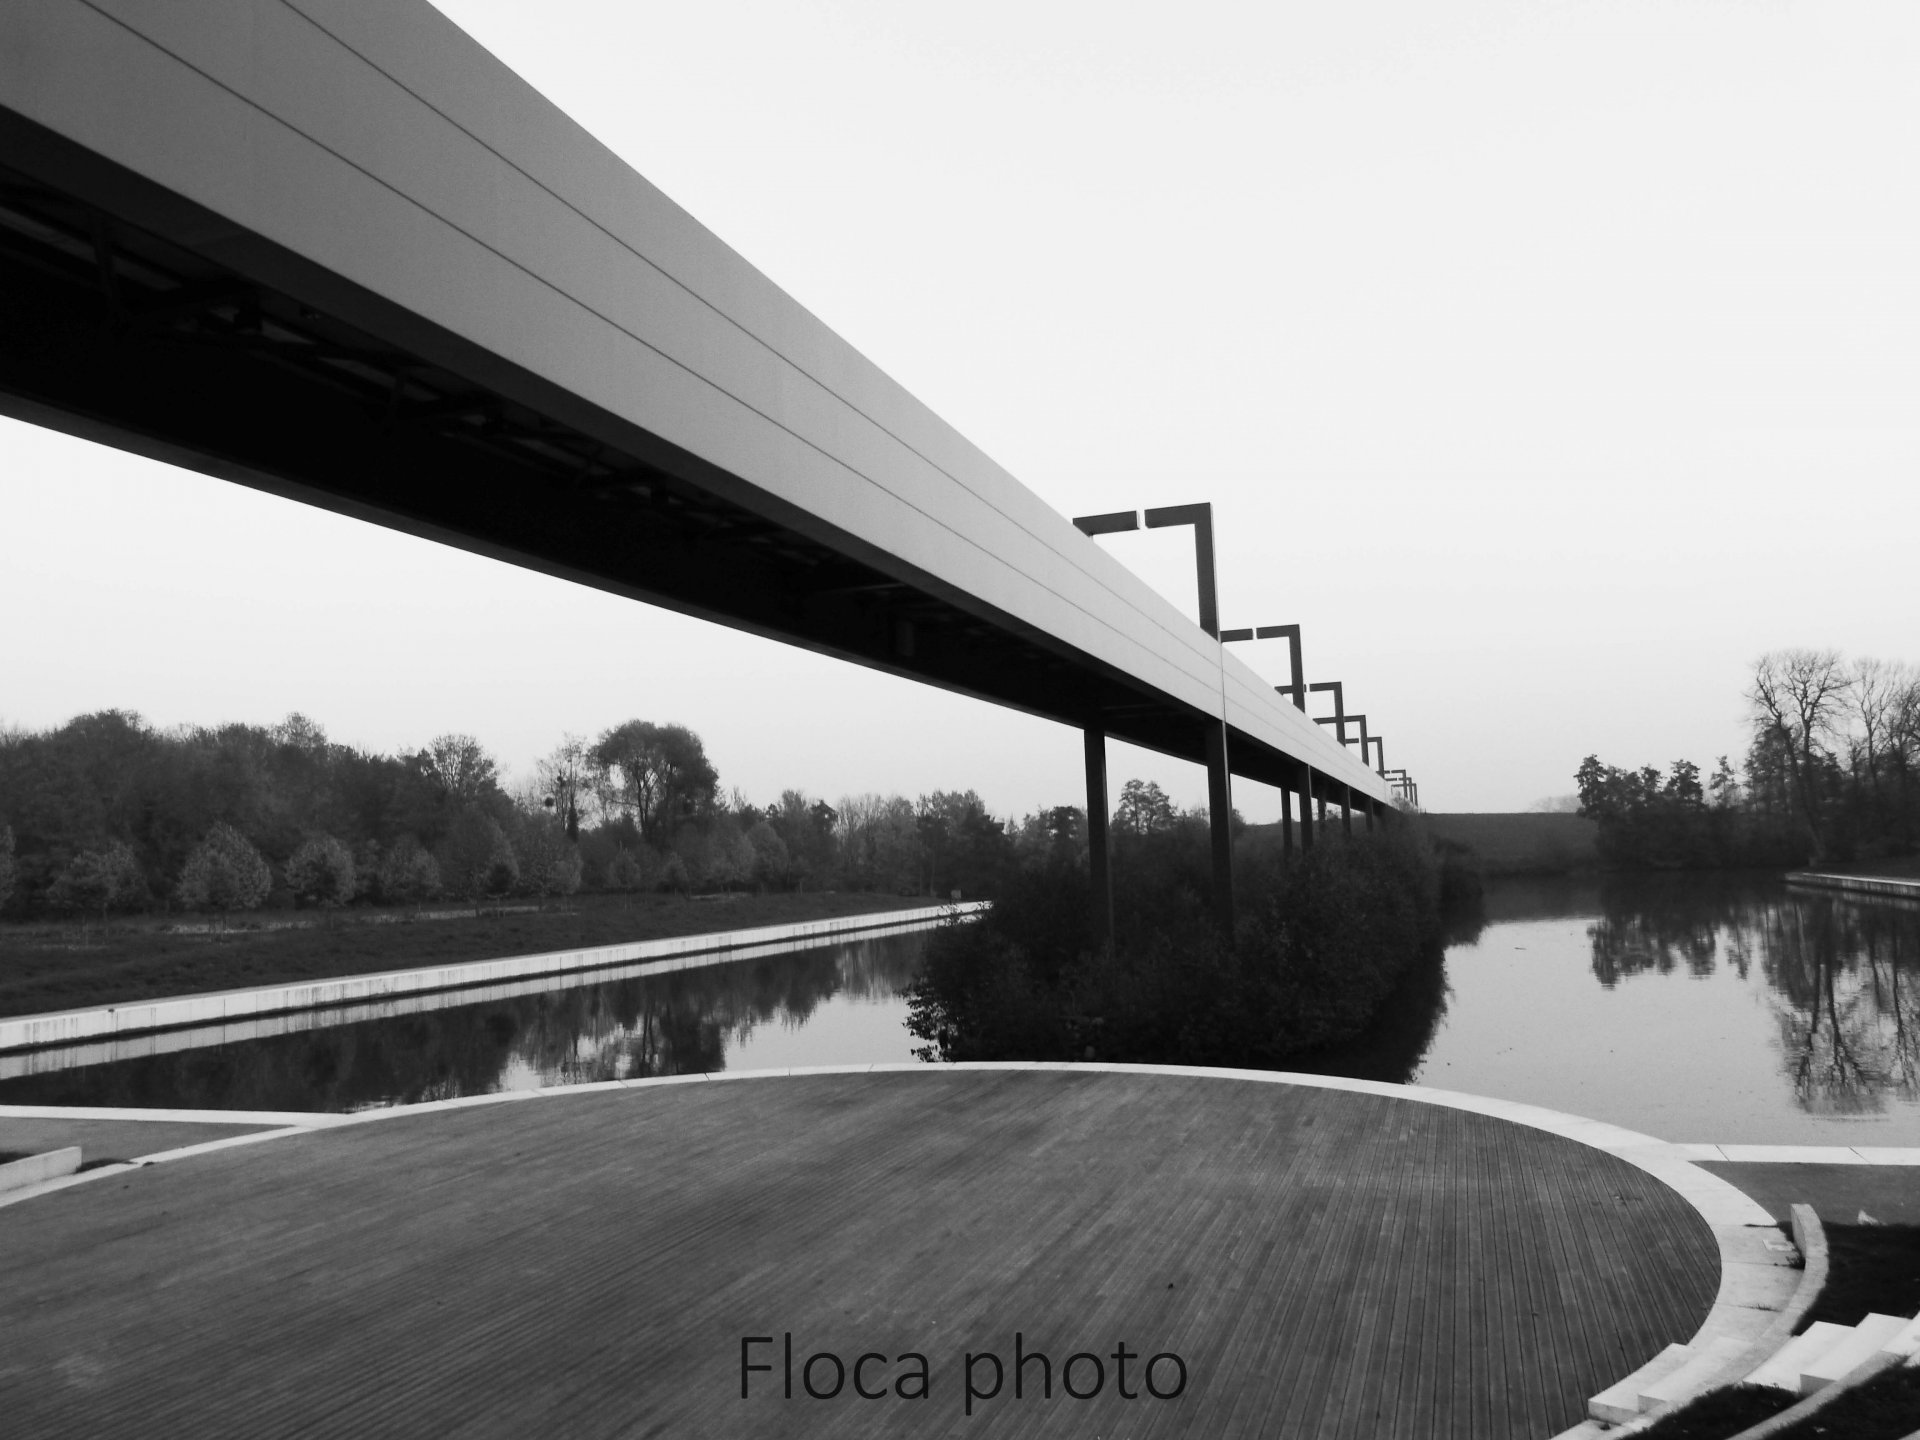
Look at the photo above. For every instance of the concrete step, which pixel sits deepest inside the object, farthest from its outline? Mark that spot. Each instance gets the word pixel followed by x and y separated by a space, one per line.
pixel 1783 1368
pixel 35 1169
pixel 1851 1353
pixel 1907 1342
pixel 1701 1369
pixel 1620 1402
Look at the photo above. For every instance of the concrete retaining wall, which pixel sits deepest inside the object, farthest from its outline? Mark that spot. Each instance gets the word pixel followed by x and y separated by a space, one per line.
pixel 1859 884
pixel 67 1027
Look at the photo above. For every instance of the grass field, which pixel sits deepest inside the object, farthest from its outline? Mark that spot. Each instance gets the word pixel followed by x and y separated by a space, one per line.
pixel 66 966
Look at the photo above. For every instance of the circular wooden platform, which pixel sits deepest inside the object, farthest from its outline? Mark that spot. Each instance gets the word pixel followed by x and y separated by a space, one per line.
pixel 1322 1263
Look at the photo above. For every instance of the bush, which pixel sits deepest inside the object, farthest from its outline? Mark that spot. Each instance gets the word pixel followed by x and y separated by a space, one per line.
pixel 321 872
pixel 100 881
pixel 408 874
pixel 224 873
pixel 6 864
pixel 477 861
pixel 1320 945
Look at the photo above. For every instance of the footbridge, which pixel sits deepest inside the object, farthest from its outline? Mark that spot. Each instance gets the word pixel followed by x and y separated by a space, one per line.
pixel 339 252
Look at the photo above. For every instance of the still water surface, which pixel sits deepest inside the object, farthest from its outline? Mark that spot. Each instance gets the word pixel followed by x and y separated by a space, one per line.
pixel 1696 1008
pixel 1727 1009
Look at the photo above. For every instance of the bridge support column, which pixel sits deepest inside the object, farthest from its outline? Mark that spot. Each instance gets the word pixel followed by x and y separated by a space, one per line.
pixel 1371 807
pixel 1346 809
pixel 1306 807
pixel 1286 824
pixel 1099 872
pixel 1220 824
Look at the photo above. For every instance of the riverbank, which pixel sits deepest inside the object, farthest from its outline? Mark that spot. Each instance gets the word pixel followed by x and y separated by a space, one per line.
pixel 66 967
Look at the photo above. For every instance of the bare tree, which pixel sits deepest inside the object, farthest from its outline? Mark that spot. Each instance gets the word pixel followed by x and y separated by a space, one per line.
pixel 565 781
pixel 1798 695
pixel 1872 700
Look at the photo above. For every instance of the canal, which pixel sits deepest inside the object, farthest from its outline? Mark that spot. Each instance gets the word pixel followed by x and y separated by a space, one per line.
pixel 1718 1008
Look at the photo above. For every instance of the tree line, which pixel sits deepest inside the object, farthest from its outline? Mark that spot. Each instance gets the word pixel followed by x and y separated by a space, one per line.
pixel 108 815
pixel 1831 775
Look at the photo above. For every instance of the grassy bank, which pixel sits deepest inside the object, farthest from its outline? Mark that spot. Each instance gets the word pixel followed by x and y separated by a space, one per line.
pixel 1520 844
pixel 67 966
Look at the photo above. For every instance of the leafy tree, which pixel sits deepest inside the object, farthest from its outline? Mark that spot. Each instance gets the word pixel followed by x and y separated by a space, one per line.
pixel 461 767
pixel 674 876
pixel 408 873
pixel 657 774
pixel 476 859
pixel 1144 809
pixel 742 860
pixel 6 864
pixel 100 881
pixel 805 826
pixel 549 862
pixel 772 863
pixel 962 847
pixel 223 874
pixel 635 870
pixel 321 873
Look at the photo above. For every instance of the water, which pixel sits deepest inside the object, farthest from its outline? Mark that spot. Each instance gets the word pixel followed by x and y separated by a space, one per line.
pixel 1722 1009
pixel 1711 1008
pixel 838 1004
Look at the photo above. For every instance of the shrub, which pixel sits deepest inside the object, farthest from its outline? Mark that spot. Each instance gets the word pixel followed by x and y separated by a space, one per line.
pixel 224 873
pixel 1321 943
pixel 477 861
pixel 408 874
pixel 320 872
pixel 6 864
pixel 100 881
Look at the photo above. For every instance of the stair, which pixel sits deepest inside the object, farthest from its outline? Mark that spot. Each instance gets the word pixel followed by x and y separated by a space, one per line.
pixel 1853 1351
pixel 1782 1369
pixel 1620 1402
pixel 1700 1369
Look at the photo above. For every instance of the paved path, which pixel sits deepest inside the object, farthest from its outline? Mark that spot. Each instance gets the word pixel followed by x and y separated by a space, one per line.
pixel 1325 1264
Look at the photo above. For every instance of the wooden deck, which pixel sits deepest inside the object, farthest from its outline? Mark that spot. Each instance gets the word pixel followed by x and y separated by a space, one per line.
pixel 1325 1263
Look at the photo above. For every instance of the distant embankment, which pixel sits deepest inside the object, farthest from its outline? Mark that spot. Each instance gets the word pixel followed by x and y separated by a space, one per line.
pixel 1521 844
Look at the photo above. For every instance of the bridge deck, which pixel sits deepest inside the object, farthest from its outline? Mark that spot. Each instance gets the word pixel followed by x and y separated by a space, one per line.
pixel 1325 1263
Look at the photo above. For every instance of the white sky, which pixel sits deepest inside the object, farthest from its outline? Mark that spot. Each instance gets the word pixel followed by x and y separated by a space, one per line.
pixel 1548 362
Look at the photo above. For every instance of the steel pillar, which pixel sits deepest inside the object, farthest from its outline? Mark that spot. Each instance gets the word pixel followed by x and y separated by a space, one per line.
pixel 1220 824
pixel 1346 809
pixel 1099 871
pixel 1306 807
pixel 1286 824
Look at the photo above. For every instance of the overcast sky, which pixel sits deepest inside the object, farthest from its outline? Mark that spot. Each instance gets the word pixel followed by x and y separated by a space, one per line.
pixel 1547 362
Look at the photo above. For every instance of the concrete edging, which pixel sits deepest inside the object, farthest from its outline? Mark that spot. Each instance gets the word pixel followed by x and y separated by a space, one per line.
pixel 64 1027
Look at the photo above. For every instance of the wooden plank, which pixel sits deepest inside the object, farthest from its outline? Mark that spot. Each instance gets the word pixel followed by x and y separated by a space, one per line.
pixel 1326 1263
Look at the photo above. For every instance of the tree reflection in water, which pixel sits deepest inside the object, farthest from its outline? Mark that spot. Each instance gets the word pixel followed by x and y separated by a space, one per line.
pixel 1842 973
pixel 673 1024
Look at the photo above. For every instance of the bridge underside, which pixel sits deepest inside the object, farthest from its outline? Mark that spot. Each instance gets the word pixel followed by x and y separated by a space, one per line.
pixel 132 317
